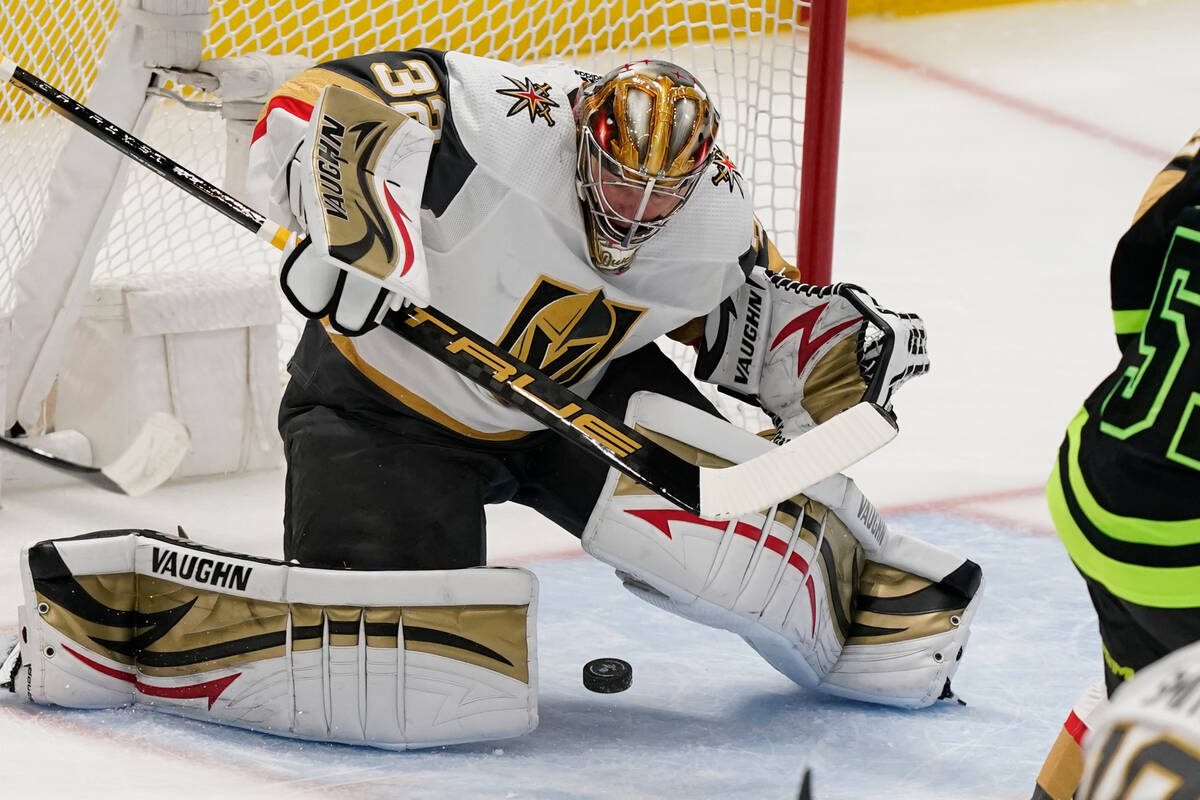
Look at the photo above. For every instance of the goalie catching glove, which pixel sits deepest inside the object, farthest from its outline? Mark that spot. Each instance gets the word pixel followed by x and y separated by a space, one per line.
pixel 804 353
pixel 355 184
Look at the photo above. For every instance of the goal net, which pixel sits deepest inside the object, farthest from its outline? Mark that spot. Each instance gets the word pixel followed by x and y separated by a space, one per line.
pixel 73 214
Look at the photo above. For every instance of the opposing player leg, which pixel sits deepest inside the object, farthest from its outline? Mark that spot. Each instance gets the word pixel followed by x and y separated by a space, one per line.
pixel 1118 562
pixel 1145 742
pixel 817 585
pixel 1061 771
pixel 1134 636
pixel 389 659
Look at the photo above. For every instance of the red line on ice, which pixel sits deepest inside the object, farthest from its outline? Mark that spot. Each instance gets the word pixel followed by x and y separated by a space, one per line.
pixel 1018 104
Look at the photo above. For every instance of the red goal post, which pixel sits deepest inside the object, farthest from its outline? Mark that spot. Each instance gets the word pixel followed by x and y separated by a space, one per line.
pixel 822 133
pixel 71 215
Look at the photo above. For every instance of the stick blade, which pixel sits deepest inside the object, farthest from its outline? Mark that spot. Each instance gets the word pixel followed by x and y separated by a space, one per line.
pixel 829 448
pixel 153 456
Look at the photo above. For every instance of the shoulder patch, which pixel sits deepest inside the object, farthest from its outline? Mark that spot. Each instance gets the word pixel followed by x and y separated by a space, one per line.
pixel 529 96
pixel 726 172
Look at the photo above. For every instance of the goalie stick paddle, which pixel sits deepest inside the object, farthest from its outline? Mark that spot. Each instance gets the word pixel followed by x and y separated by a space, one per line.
pixel 150 459
pixel 715 493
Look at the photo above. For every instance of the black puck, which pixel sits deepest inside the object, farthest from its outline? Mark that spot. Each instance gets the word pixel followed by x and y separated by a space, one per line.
pixel 607 675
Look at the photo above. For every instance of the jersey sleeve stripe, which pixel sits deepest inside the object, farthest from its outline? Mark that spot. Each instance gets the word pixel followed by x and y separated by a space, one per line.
pixel 1130 320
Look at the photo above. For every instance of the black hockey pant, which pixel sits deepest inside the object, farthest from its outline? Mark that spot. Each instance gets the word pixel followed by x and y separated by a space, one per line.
pixel 1135 636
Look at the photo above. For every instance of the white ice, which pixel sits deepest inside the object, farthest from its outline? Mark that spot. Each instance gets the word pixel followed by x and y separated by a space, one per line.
pixel 990 160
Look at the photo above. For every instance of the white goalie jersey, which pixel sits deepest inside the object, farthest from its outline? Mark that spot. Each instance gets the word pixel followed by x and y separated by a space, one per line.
pixel 503 232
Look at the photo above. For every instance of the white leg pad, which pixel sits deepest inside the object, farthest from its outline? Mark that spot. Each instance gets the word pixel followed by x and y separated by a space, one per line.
pixel 758 576
pixel 817 585
pixel 389 659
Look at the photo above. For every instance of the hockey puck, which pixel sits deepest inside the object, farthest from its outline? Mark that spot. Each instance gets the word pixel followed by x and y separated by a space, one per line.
pixel 607 675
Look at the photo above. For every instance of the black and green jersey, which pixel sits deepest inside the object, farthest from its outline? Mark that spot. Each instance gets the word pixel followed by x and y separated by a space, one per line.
pixel 1125 493
pixel 1137 261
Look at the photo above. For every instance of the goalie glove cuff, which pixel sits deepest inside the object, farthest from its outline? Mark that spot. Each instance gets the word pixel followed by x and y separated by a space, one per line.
pixel 318 286
pixel 788 347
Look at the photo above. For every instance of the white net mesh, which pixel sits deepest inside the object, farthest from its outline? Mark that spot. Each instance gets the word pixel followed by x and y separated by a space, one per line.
pixel 751 56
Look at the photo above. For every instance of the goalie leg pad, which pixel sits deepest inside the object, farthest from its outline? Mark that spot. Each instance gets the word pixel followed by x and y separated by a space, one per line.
pixel 817 585
pixel 390 659
pixel 782 579
pixel 756 576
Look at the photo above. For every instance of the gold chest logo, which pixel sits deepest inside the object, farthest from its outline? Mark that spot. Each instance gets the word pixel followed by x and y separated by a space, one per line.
pixel 565 331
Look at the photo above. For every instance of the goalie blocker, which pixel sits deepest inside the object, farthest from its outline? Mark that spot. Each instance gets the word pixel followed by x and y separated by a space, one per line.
pixel 390 659
pixel 817 585
pixel 806 353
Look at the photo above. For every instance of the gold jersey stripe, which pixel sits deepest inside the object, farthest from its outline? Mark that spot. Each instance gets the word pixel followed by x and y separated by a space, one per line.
pixel 410 399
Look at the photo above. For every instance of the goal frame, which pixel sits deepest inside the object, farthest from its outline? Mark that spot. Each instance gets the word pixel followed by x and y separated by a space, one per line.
pixel 822 133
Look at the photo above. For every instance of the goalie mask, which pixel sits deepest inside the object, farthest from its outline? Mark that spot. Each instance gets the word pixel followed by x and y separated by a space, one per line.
pixel 645 138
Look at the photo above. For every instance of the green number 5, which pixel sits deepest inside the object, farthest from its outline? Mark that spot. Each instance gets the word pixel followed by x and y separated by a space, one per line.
pixel 1167 375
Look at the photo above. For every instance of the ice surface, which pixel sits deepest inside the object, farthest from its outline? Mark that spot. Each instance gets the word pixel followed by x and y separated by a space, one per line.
pixel 705 717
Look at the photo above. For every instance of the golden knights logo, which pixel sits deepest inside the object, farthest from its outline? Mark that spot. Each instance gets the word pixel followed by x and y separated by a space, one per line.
pixel 531 97
pixel 727 172
pixel 565 331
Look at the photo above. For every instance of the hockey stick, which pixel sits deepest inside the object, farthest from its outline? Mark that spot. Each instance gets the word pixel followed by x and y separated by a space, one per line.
pixel 715 493
pixel 155 453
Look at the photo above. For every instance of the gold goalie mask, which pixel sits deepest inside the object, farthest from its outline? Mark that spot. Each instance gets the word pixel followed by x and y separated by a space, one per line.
pixel 645 138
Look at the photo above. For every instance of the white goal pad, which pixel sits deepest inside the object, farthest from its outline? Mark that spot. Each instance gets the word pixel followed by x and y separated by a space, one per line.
pixel 198 346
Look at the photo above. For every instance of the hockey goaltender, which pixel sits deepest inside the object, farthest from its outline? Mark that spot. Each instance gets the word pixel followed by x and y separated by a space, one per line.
pixel 572 219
